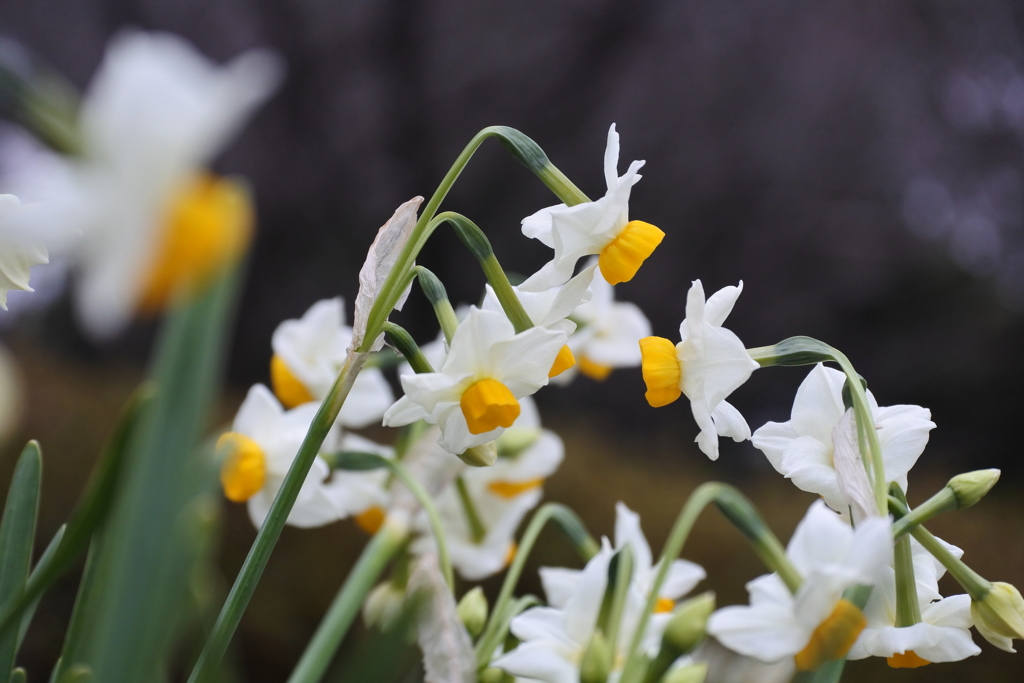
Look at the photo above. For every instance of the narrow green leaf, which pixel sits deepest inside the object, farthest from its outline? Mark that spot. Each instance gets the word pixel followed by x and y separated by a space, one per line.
pixel 90 511
pixel 74 637
pixel 17 534
pixel 150 541
pixel 18 676
pixel 355 461
pixel 41 565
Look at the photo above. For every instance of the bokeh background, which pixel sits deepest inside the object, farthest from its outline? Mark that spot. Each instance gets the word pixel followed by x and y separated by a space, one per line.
pixel 858 165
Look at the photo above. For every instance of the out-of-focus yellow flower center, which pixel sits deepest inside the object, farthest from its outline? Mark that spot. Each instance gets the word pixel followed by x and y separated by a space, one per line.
pixel 907 660
pixel 208 226
pixel 513 548
pixel 661 370
pixel 563 361
pixel 244 467
pixel 833 638
pixel 287 387
pixel 664 605
pixel 488 404
pixel 370 519
pixel 593 370
pixel 623 256
pixel 511 489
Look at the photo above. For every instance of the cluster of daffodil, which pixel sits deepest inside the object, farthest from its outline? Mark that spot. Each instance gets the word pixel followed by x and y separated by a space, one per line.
pixel 127 199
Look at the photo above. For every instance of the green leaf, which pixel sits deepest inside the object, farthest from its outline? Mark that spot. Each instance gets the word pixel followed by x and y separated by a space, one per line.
pixel 17 534
pixel 162 501
pixel 355 461
pixel 42 564
pixel 90 511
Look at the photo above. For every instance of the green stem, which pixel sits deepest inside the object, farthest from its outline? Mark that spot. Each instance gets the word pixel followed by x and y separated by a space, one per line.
pixel 259 554
pixel 623 576
pixel 908 610
pixel 585 545
pixel 971 581
pixel 409 349
pixel 342 612
pixel 698 500
pixel 438 298
pixel 524 149
pixel 943 501
pixel 476 526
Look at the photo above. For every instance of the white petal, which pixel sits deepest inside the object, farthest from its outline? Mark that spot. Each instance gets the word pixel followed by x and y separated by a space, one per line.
pixel 729 422
pixel 720 304
pixel 559 584
pixel 767 632
pixel 628 532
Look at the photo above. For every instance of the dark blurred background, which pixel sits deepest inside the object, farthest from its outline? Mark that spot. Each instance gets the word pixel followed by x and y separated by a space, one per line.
pixel 858 165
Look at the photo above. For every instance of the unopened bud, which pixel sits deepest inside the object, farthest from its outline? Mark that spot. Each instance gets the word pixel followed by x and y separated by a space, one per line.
pixel 687 673
pixel 480 456
pixel 472 611
pixel 383 604
pixel 515 440
pixel 597 660
pixel 970 487
pixel 999 616
pixel 686 628
pixel 495 675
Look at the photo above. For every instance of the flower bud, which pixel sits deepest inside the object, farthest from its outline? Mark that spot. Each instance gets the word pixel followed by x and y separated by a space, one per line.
pixel 597 660
pixel 695 672
pixel 472 611
pixel 999 616
pixel 686 628
pixel 480 456
pixel 970 487
pixel 495 675
pixel 383 604
pixel 515 440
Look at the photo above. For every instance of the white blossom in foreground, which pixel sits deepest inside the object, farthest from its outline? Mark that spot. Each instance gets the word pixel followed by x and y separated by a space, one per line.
pixel 308 355
pixel 265 439
pixel 816 624
pixel 600 227
pixel 554 638
pixel 802 449
pixel 150 218
pixel 474 396
pixel 608 333
pixel 480 528
pixel 17 254
pixel 707 365
pixel 944 633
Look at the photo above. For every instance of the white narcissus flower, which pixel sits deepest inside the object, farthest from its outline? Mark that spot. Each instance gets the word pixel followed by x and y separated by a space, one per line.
pixel 707 365
pixel 802 448
pixel 608 333
pixel 554 638
pixel 551 309
pixel 308 355
pixel 816 624
pixel 474 395
pixel 265 439
pixel 17 254
pixel 500 496
pixel 600 227
pixel 151 220
pixel 944 633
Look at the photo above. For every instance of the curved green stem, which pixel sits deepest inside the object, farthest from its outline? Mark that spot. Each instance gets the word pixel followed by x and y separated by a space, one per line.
pixel 728 500
pixel 342 612
pixel 585 545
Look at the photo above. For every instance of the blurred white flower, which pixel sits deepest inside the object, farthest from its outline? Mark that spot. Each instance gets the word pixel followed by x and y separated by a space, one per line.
pixel 608 333
pixel 474 396
pixel 944 633
pixel 145 217
pixel 600 227
pixel 816 624
pixel 498 496
pixel 707 365
pixel 802 449
pixel 265 439
pixel 17 254
pixel 308 355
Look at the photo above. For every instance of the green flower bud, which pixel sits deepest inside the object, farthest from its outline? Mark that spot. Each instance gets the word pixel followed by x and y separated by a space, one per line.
pixel 472 611
pixel 688 673
pixel 970 487
pixel 494 675
pixel 999 616
pixel 383 604
pixel 597 660
pixel 686 628
pixel 515 440
pixel 480 456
